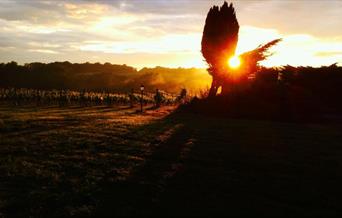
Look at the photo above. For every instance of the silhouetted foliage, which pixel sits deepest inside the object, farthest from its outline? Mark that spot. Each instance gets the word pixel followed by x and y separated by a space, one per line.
pixel 99 77
pixel 287 93
pixel 158 98
pixel 252 58
pixel 22 96
pixel 182 95
pixel 219 41
pixel 220 35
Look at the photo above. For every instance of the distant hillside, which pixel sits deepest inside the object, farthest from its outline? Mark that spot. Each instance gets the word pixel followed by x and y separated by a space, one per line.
pixel 66 75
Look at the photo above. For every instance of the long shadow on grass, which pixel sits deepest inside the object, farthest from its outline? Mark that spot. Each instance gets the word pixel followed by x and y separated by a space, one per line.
pixel 190 171
pixel 139 194
pixel 206 166
pixel 184 164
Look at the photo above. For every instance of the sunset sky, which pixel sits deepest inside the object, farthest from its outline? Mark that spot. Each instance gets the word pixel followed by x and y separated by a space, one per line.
pixel 164 32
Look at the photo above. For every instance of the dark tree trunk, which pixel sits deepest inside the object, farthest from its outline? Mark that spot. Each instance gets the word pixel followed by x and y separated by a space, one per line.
pixel 225 87
pixel 213 89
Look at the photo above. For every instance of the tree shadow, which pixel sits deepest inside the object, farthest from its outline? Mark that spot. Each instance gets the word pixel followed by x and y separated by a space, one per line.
pixel 213 166
pixel 139 194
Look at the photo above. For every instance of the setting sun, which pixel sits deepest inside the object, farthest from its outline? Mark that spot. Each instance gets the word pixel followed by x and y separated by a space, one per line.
pixel 234 62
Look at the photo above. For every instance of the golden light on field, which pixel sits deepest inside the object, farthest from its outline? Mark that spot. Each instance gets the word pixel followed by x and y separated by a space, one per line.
pixel 234 62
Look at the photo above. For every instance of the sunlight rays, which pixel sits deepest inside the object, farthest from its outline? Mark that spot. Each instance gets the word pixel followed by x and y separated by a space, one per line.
pixel 126 36
pixel 234 62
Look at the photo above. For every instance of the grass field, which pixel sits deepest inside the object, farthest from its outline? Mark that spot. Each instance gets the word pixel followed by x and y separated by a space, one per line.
pixel 80 161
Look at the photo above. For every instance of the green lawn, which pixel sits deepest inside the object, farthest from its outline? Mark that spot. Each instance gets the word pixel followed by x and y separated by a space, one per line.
pixel 113 161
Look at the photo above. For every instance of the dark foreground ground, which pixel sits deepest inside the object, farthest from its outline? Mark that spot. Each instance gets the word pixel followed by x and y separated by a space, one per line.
pixel 111 161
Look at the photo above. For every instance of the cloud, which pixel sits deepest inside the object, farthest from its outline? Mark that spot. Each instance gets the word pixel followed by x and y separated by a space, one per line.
pixel 329 54
pixel 303 49
pixel 166 44
pixel 43 51
pixel 319 18
pixel 159 32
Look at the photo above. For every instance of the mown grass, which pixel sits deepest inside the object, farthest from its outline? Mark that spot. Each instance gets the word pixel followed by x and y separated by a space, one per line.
pixel 52 158
pixel 109 161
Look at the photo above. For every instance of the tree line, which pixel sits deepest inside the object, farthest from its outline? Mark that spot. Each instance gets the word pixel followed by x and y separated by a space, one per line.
pixel 99 77
pixel 287 93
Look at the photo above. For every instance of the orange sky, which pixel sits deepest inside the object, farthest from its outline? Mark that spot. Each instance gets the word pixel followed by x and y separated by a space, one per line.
pixel 165 33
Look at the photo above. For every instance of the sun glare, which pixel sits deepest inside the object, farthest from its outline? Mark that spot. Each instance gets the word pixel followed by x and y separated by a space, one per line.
pixel 234 62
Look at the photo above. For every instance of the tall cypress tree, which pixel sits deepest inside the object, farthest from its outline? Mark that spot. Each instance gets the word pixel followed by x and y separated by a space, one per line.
pixel 219 41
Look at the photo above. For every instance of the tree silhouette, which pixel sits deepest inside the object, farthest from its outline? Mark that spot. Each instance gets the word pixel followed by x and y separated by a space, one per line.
pixel 252 58
pixel 219 41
